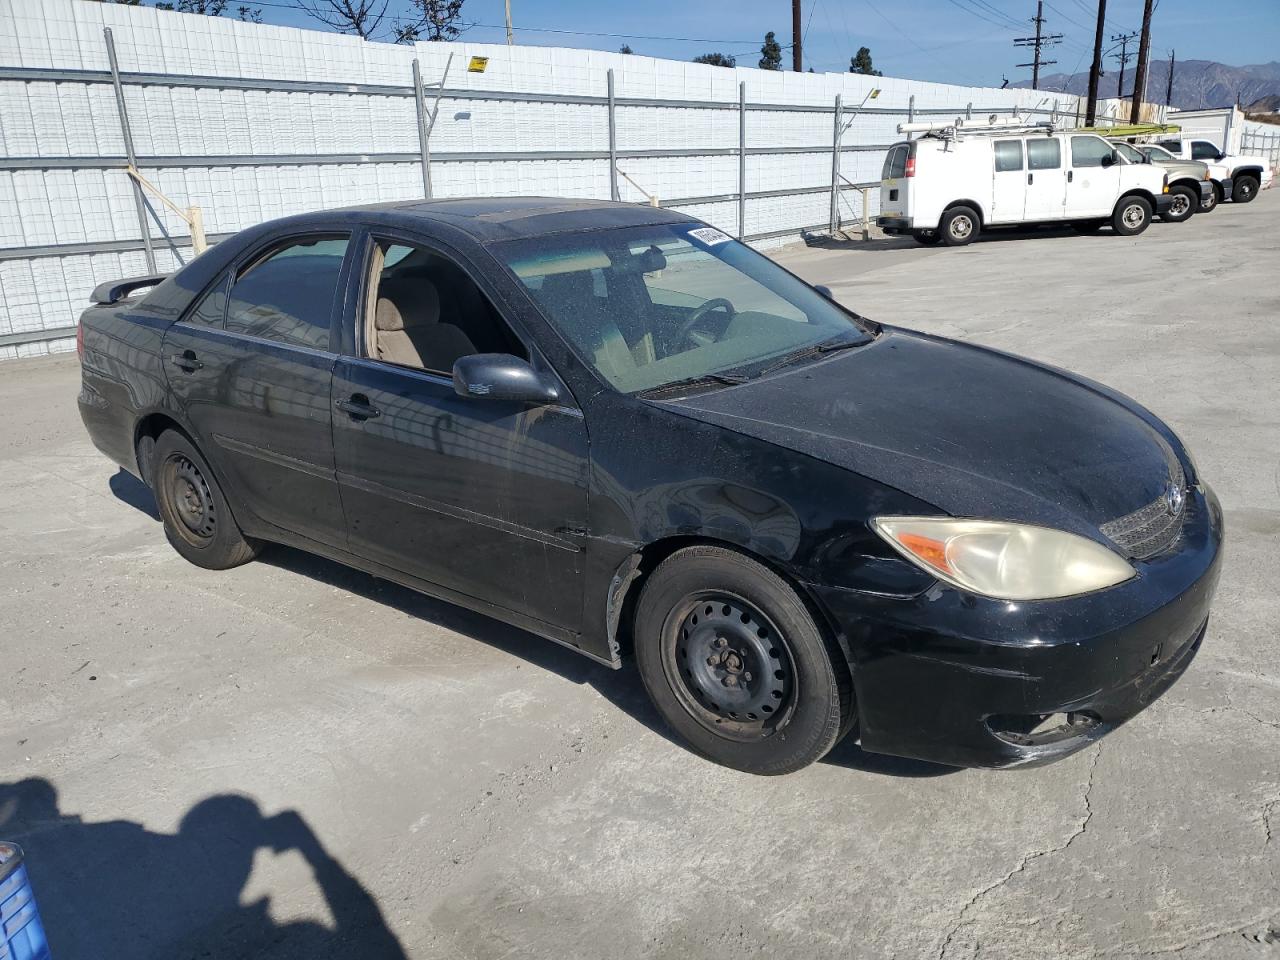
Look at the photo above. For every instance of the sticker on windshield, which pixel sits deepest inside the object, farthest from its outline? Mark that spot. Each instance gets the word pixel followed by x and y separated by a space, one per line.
pixel 709 236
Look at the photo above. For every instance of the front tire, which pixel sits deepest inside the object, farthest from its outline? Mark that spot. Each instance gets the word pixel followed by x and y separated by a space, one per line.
pixel 1131 217
pixel 1244 189
pixel 197 520
pixel 736 664
pixel 959 226
pixel 1185 202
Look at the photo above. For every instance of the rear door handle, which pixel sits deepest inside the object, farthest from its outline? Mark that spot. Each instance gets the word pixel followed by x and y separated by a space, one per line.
pixel 186 361
pixel 1070 175
pixel 359 407
pixel 1031 178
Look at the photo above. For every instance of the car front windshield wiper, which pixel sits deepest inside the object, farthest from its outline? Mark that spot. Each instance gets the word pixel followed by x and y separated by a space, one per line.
pixel 702 380
pixel 816 350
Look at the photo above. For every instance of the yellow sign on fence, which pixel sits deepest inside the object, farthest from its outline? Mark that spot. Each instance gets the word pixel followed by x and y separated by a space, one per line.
pixel 477 64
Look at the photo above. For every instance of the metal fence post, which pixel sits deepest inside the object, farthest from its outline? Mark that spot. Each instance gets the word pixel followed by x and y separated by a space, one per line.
pixel 742 159
pixel 424 143
pixel 834 217
pixel 138 201
pixel 968 110
pixel 613 141
pixel 911 109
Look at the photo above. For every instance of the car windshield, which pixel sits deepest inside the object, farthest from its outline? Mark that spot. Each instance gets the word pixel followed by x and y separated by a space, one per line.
pixel 648 307
pixel 1130 154
pixel 1157 153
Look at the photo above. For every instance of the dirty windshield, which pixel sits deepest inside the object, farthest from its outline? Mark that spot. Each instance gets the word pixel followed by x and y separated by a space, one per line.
pixel 651 306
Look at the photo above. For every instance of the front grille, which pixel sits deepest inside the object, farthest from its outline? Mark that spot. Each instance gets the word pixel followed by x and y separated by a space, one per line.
pixel 1152 529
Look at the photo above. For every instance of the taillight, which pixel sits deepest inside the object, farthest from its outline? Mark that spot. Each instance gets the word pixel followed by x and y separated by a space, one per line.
pixel 80 339
pixel 911 166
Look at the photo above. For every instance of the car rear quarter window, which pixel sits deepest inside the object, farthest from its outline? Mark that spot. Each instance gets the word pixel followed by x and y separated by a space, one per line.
pixel 1008 155
pixel 211 309
pixel 287 294
pixel 1089 151
pixel 1044 154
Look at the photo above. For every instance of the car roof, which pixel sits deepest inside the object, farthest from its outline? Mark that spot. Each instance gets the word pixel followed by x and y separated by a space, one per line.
pixel 489 219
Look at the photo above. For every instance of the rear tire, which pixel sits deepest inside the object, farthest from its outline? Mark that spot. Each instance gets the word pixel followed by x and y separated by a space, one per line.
pixel 1212 201
pixel 1132 216
pixel 1185 202
pixel 736 664
pixel 928 238
pixel 959 226
pixel 197 520
pixel 1244 189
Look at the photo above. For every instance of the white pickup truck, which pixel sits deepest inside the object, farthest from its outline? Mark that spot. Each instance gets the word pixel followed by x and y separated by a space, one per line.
pixel 1248 174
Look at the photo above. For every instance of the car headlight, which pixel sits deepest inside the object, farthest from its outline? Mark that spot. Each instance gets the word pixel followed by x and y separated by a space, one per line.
pixel 1006 561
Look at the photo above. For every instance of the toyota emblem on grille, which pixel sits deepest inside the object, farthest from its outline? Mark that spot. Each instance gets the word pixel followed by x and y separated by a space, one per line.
pixel 1174 499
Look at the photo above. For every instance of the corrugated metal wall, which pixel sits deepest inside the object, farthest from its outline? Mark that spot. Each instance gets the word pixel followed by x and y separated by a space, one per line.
pixel 212 128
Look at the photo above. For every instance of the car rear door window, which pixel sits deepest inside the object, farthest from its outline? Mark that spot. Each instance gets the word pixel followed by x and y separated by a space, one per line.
pixel 1089 151
pixel 895 163
pixel 1008 155
pixel 1173 146
pixel 287 294
pixel 1044 154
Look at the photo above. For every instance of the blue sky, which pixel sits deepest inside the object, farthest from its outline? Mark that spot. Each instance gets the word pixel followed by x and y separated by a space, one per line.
pixel 959 41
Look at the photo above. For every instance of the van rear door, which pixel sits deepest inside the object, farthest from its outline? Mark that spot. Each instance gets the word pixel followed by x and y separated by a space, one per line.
pixel 894 182
pixel 1046 181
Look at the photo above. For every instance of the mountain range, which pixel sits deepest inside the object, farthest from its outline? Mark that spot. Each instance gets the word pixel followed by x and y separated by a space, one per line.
pixel 1197 84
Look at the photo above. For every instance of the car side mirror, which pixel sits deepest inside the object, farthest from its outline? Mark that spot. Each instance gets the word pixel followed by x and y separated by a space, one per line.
pixel 823 289
pixel 1110 159
pixel 501 376
pixel 1221 156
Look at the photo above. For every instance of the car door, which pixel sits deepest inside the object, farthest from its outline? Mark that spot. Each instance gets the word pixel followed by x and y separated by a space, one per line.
pixel 1046 181
pixel 1009 183
pixel 481 496
pixel 250 366
pixel 1093 179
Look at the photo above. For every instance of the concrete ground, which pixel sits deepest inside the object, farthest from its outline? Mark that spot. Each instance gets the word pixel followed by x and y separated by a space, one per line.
pixel 292 759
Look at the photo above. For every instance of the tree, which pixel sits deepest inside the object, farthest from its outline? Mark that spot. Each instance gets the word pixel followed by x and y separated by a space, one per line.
pixel 861 63
pixel 361 17
pixel 770 53
pixel 210 8
pixel 625 48
pixel 432 20
pixel 717 60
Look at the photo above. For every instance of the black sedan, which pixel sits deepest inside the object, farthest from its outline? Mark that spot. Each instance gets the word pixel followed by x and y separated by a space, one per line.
pixel 621 429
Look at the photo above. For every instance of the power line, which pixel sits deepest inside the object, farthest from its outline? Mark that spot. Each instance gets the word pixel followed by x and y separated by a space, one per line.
pixel 1037 42
pixel 1124 57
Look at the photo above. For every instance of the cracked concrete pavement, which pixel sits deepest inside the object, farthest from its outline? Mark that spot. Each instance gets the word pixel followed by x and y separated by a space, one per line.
pixel 424 782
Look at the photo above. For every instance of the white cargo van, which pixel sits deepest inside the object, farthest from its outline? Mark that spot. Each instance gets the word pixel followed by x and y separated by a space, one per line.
pixel 958 180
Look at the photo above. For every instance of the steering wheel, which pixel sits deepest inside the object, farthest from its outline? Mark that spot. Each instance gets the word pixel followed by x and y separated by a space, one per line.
pixel 686 328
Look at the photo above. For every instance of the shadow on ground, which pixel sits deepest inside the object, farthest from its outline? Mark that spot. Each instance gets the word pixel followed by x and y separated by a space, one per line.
pixel 115 888
pixel 622 688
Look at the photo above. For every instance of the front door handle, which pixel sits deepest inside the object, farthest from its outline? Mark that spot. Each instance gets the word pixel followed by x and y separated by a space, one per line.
pixel 186 361
pixel 359 407
pixel 1070 175
pixel 1031 178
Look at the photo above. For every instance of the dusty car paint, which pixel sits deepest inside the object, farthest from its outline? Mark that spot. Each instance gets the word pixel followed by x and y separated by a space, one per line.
pixel 600 485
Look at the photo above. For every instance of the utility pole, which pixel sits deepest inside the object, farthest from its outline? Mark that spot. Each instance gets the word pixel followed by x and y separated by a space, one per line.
pixel 1095 71
pixel 1124 40
pixel 1140 75
pixel 797 57
pixel 1168 90
pixel 510 38
pixel 1041 39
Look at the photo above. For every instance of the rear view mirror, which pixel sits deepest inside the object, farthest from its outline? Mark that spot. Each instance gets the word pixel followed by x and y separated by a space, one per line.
pixel 501 376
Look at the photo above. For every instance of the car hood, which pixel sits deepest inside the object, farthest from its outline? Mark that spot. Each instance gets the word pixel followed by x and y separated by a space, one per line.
pixel 974 432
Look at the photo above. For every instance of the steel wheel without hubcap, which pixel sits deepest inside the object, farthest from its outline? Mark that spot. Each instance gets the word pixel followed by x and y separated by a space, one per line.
pixel 1180 206
pixel 1134 215
pixel 190 499
pixel 730 667
pixel 960 227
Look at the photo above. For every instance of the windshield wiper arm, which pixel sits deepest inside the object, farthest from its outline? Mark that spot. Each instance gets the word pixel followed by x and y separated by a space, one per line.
pixel 816 350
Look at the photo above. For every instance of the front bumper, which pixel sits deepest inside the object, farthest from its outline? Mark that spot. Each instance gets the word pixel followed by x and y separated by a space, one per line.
pixel 958 679
pixel 1206 190
pixel 1227 185
pixel 1163 203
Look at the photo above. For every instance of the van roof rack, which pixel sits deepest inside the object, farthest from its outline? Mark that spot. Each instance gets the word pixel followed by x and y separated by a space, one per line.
pixel 1135 130
pixel 958 127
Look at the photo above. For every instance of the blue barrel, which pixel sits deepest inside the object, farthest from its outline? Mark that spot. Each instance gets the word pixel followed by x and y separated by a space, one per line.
pixel 21 932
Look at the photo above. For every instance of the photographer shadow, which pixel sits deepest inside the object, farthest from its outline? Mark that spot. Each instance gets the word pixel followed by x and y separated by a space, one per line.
pixel 116 888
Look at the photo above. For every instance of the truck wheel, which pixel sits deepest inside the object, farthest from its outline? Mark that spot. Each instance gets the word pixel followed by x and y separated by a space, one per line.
pixel 927 237
pixel 1211 202
pixel 959 226
pixel 197 520
pixel 1244 189
pixel 1185 202
pixel 736 664
pixel 1132 216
